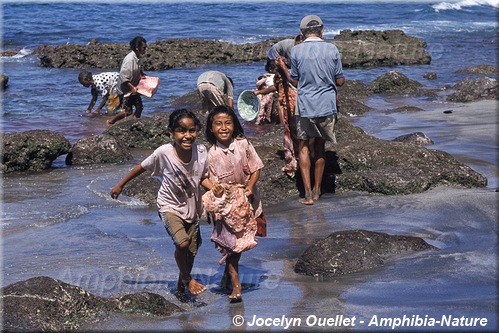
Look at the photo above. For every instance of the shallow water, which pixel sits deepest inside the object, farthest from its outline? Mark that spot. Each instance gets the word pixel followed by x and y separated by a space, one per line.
pixel 62 223
pixel 112 247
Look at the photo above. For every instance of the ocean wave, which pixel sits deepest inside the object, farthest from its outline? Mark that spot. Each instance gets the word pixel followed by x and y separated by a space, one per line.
pixel 464 3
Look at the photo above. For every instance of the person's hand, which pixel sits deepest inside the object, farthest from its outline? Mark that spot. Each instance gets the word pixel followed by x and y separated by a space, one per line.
pixel 115 191
pixel 217 190
pixel 248 192
pixel 255 92
pixel 280 62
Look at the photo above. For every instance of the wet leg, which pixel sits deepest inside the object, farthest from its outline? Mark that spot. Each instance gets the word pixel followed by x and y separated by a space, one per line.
pixel 304 162
pixel 233 268
pixel 185 261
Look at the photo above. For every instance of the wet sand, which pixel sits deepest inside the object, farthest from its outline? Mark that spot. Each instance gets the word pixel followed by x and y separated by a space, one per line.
pixel 458 280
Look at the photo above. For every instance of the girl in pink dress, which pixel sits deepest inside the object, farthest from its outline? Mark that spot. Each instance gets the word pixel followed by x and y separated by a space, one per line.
pixel 233 163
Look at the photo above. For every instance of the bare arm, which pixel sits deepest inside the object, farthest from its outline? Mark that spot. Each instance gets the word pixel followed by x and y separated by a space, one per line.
pixel 92 103
pixel 217 189
pixel 135 172
pixel 282 65
pixel 102 103
pixel 264 91
pixel 252 181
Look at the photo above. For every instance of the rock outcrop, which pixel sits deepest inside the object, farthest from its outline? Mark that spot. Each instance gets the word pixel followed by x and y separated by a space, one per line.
pixel 98 149
pixel 4 81
pixel 358 48
pixel 417 138
pixel 395 82
pixel 469 90
pixel 45 304
pixel 360 162
pixel 369 48
pixel 31 150
pixel 479 70
pixel 351 251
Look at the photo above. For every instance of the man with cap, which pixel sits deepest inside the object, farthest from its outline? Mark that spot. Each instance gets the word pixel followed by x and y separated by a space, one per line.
pixel 316 71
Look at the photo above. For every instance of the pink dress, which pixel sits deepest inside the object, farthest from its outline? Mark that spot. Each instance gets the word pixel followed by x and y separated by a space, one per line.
pixel 235 225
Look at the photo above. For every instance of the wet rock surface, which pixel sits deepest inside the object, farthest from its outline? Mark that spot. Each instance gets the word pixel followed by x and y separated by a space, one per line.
pixel 394 82
pixel 417 138
pixel 351 251
pixel 33 150
pixel 359 162
pixel 4 81
pixel 469 89
pixel 358 48
pixel 98 149
pixel 369 48
pixel 46 304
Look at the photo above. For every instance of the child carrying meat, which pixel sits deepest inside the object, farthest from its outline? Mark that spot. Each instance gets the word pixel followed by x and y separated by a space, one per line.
pixel 237 214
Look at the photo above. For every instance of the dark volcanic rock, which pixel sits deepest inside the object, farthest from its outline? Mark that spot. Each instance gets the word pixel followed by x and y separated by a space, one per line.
pixel 144 188
pixel 4 81
pixel 101 148
pixel 430 76
pixel 164 54
pixel 469 90
pixel 371 48
pixel 147 133
pixel 32 150
pixel 405 108
pixel 417 138
pixel 351 251
pixel 364 163
pixel 350 96
pixel 360 162
pixel 395 82
pixel 480 70
pixel 358 48
pixel 45 304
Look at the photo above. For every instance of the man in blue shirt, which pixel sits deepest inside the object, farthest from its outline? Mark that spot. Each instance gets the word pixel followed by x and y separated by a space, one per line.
pixel 316 71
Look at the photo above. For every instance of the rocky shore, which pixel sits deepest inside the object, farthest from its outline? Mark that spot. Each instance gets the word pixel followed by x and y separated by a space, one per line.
pixel 359 163
pixel 358 48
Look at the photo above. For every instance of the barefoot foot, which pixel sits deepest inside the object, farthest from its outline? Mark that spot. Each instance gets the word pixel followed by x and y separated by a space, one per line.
pixel 307 200
pixel 195 287
pixel 316 195
pixel 236 295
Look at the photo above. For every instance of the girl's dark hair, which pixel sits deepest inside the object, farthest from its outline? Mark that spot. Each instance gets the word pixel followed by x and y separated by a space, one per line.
pixel 238 129
pixel 136 42
pixel 179 114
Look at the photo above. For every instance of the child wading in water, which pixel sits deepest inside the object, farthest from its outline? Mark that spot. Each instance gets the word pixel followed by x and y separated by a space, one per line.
pixel 103 84
pixel 183 166
pixel 238 212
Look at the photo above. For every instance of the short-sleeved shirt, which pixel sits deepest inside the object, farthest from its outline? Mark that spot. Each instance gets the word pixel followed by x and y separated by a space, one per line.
pixel 130 71
pixel 180 191
pixel 234 165
pixel 103 82
pixel 281 48
pixel 219 80
pixel 316 64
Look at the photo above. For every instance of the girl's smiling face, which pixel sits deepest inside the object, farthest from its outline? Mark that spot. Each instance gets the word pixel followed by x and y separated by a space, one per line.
pixel 223 128
pixel 185 134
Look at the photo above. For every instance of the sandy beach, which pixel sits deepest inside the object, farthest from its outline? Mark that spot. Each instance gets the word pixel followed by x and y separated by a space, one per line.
pixel 458 280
